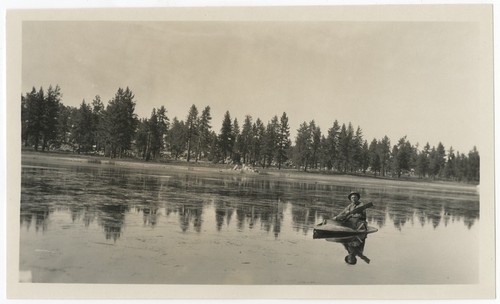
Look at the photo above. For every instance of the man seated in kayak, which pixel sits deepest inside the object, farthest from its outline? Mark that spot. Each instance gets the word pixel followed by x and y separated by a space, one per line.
pixel 356 220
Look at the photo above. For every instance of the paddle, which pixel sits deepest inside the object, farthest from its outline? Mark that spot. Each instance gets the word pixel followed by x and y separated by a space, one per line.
pixel 359 209
pixel 364 258
pixel 356 210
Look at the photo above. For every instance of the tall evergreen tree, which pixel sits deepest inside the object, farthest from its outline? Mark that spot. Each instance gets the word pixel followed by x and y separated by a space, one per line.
pixel 163 124
pixel 315 144
pixel 191 130
pixel 177 138
pixel 423 162
pixel 204 128
pixel 365 157
pixel 246 139
pixel 235 154
pixel 357 150
pixel 215 151
pixel 450 166
pixel 142 139
pixel 64 125
pixel 258 131
pixel 402 156
pixel 49 116
pixel 24 119
pixel 98 127
pixel 344 149
pixel 474 165
pixel 120 122
pixel 350 145
pixel 303 143
pixel 155 128
pixel 271 140
pixel 437 160
pixel 384 153
pixel 80 130
pixel 226 139
pixel 332 146
pixel 284 142
pixel 375 163
pixel 40 113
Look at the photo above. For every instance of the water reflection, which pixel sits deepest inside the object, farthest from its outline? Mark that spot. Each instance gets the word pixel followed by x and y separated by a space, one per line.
pixel 355 246
pixel 190 215
pixel 106 195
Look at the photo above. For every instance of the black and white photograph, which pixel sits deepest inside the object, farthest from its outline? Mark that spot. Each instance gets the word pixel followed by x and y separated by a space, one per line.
pixel 304 151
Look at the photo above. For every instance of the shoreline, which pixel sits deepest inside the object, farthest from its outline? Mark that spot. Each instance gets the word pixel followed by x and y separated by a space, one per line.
pixel 226 169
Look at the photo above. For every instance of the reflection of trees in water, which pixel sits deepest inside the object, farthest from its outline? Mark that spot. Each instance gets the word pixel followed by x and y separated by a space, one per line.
pixel 251 201
pixel 190 214
pixel 463 211
pixel 422 206
pixel 248 215
pixel 111 217
pixel 149 211
pixel 33 206
pixel 223 212
pixel 432 212
pixel 40 217
pixel 255 201
pixel 89 214
pixel 303 217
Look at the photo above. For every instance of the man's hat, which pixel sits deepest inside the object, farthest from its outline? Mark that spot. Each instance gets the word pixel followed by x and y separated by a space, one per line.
pixel 354 193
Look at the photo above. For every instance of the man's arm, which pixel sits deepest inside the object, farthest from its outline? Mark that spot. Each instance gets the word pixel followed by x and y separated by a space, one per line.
pixel 343 213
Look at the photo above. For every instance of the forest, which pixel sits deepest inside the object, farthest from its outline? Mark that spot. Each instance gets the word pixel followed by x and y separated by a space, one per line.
pixel 115 131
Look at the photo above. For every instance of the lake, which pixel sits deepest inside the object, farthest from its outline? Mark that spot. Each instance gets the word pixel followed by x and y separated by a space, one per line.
pixel 86 222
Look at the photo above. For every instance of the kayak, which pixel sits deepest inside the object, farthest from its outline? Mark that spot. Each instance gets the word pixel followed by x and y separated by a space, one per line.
pixel 332 228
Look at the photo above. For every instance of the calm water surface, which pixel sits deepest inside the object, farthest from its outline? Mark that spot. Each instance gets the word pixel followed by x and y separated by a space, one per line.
pixel 92 223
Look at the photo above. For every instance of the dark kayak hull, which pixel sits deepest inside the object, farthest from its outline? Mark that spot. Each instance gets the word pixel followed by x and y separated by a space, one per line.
pixel 332 228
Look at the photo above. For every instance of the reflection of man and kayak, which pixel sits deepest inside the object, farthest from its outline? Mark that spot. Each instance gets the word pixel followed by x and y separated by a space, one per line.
pixel 349 228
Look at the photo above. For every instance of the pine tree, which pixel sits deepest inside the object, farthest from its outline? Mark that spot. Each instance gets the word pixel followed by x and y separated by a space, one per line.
pixel 284 142
pixel 64 125
pixel 450 166
pixel 357 150
pixel 80 130
pixel 474 166
pixel 120 122
pixel 423 162
pixel 315 144
pixel 191 130
pixel 258 131
pixel 374 156
pixel 49 116
pixel 226 139
pixel 384 153
pixel 365 157
pixel 246 139
pixel 402 156
pixel 177 138
pixel 271 140
pixel 331 146
pixel 235 154
pixel 344 149
pixel 98 127
pixel 142 138
pixel 303 143
pixel 204 128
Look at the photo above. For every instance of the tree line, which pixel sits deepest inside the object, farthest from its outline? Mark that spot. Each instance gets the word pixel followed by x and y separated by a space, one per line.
pixel 114 130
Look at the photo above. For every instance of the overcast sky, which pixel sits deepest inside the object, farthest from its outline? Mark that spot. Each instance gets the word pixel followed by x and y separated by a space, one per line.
pixel 389 78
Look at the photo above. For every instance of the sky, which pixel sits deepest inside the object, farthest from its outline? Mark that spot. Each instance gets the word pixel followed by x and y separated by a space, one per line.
pixel 414 79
